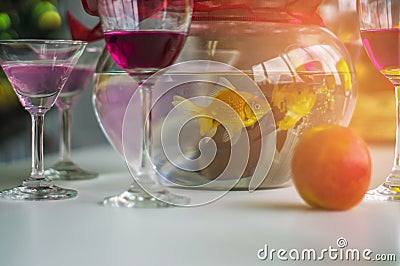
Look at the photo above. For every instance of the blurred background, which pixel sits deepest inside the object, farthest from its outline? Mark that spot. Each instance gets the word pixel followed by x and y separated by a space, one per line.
pixel 373 119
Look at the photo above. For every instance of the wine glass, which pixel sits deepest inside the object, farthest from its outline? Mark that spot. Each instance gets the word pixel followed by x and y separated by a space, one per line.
pixel 380 33
pixel 81 76
pixel 37 71
pixel 143 37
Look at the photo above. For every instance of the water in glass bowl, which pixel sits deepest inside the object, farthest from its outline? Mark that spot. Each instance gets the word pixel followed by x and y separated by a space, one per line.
pixel 316 98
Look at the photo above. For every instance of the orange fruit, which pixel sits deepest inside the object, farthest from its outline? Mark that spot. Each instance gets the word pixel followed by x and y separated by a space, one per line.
pixel 331 167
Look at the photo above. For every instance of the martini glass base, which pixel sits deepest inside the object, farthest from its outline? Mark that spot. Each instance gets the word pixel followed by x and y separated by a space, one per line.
pixel 68 170
pixel 137 198
pixel 384 193
pixel 49 192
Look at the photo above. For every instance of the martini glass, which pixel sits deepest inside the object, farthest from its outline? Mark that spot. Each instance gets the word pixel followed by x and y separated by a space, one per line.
pixel 380 33
pixel 37 70
pixel 143 37
pixel 81 76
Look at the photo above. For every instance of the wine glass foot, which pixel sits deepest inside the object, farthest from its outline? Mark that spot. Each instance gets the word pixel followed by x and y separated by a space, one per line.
pixel 384 193
pixel 50 192
pixel 68 170
pixel 137 198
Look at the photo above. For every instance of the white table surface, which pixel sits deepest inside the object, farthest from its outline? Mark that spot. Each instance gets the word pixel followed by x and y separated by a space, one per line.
pixel 229 231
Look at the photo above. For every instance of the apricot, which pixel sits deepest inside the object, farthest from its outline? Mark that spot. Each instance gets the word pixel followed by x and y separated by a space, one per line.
pixel 331 167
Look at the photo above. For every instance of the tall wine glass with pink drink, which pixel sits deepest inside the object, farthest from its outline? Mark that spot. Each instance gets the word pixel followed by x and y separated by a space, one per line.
pixel 81 76
pixel 143 37
pixel 38 70
pixel 380 33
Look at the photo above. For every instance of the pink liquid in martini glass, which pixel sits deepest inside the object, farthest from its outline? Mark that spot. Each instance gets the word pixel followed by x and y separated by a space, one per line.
pixel 37 85
pixel 78 80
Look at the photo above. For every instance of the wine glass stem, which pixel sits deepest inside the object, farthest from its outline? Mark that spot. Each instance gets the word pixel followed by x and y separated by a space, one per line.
pixel 146 100
pixel 65 134
pixel 37 146
pixel 394 177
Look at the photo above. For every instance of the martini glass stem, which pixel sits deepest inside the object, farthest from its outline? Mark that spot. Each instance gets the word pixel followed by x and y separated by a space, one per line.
pixel 65 134
pixel 37 146
pixel 37 178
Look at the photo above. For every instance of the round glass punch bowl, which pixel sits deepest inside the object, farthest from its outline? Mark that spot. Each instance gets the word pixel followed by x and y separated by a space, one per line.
pixel 111 92
pixel 302 69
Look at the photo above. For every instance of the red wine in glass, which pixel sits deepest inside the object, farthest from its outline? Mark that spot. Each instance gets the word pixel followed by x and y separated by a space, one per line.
pixel 382 45
pixel 146 49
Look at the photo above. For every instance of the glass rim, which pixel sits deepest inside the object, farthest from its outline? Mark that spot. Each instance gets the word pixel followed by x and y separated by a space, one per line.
pixel 111 72
pixel 94 49
pixel 43 41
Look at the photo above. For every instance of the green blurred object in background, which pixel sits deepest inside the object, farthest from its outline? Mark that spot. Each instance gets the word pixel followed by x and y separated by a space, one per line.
pixel 30 19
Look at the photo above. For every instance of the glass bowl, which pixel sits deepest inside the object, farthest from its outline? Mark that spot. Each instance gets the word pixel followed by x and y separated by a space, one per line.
pixel 303 71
